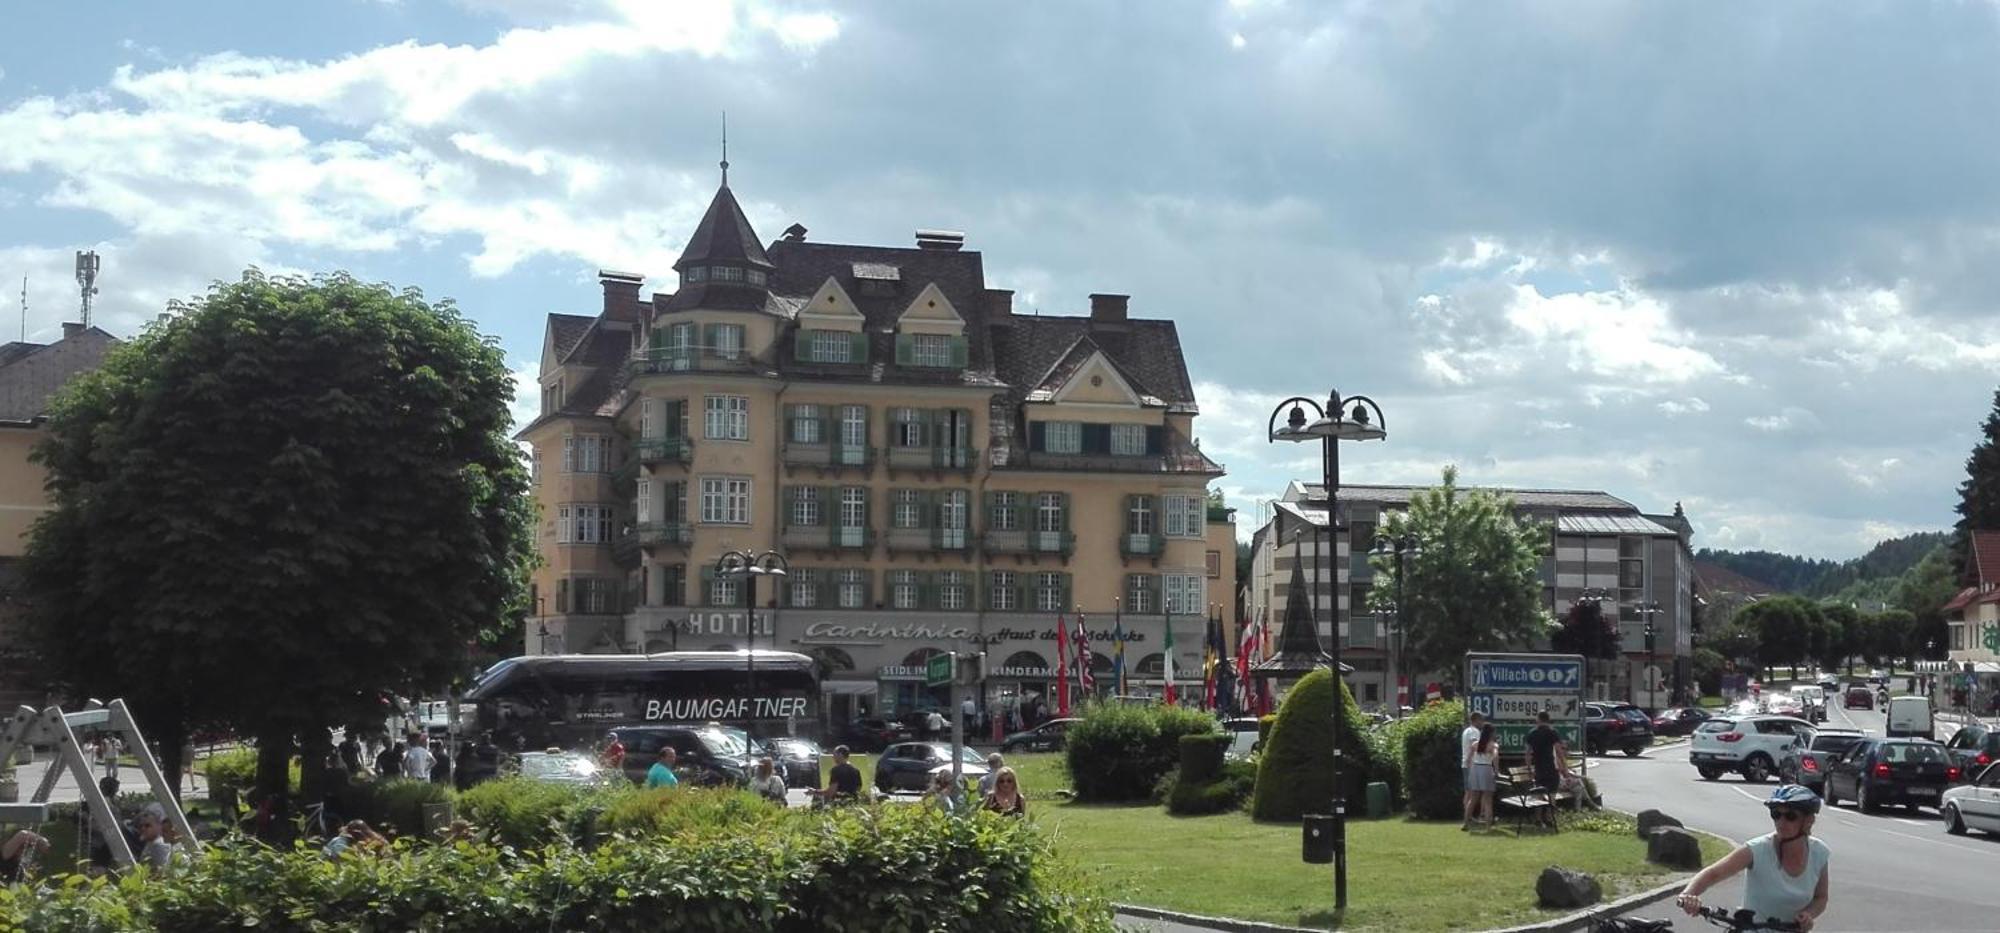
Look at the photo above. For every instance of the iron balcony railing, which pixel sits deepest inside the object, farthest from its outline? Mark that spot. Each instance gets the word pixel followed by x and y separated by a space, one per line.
pixel 1141 545
pixel 663 450
pixel 690 360
pixel 653 534
pixel 929 539
pixel 829 537
pixel 1029 542
pixel 932 458
pixel 837 455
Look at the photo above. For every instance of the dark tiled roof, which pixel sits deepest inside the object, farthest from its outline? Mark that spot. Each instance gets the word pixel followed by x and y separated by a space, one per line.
pixel 1565 499
pixel 730 296
pixel 959 275
pixel 1986 557
pixel 724 235
pixel 566 330
pixel 30 374
pixel 1147 352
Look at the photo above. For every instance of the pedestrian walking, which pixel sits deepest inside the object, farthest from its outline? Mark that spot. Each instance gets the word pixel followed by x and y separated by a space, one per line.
pixel 767 783
pixel 934 724
pixel 661 774
pixel 350 752
pixel 1483 777
pixel 614 752
pixel 968 712
pixel 1006 797
pixel 417 760
pixel 388 762
pixel 994 765
pixel 1467 738
pixel 441 763
pixel 1546 755
pixel 843 780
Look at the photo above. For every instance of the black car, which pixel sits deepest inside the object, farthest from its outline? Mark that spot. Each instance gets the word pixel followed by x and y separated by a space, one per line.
pixel 1616 725
pixel 1873 772
pixel 1047 737
pixel 872 735
pixel 705 756
pixel 1678 721
pixel 1972 748
pixel 908 766
pixel 798 757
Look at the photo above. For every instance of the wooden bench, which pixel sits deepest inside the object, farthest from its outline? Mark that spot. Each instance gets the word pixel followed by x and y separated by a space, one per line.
pixel 1518 793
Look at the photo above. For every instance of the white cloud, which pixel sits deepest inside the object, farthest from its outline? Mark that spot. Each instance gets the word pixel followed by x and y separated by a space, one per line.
pixel 1691 405
pixel 1790 418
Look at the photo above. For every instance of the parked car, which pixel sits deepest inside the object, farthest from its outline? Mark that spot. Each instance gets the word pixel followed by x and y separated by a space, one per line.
pixel 1812 699
pixel 872 735
pixel 1910 716
pixel 908 766
pixel 1679 721
pixel 1973 806
pixel 1972 748
pixel 1858 696
pixel 556 766
pixel 704 755
pixel 798 759
pixel 1242 736
pixel 1873 772
pixel 1047 737
pixel 1807 764
pixel 1829 684
pixel 1748 745
pixel 1616 725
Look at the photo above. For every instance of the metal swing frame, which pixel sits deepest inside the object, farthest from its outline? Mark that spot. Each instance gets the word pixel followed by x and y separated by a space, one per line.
pixel 52 726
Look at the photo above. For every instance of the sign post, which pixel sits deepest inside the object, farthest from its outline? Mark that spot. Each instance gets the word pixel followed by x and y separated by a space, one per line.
pixel 1511 690
pixel 946 666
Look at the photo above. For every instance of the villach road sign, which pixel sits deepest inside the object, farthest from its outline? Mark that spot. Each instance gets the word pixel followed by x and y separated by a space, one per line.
pixel 1536 673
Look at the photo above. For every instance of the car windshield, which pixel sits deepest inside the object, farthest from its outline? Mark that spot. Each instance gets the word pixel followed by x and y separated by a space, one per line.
pixel 547 767
pixel 1912 754
pixel 1632 713
pixel 723 744
pixel 965 755
pixel 1834 743
pixel 1717 725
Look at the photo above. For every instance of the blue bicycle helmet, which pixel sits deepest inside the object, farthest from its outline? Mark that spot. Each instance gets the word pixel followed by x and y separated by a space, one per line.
pixel 1796 796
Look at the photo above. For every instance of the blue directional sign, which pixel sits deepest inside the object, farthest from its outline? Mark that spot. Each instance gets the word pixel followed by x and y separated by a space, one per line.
pixel 1527 674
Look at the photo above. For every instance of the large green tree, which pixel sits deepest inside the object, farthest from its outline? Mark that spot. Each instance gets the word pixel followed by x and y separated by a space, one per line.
pixel 1475 585
pixel 1922 591
pixel 1839 638
pixel 1785 627
pixel 1979 494
pixel 276 506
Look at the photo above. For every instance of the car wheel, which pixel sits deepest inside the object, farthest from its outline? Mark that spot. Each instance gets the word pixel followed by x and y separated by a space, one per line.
pixel 1708 773
pixel 1632 751
pixel 1757 769
pixel 1009 749
pixel 1828 797
pixel 885 784
pixel 1953 823
pixel 1864 800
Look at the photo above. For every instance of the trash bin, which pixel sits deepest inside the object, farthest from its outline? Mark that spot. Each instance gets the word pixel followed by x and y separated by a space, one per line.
pixel 1378 800
pixel 1319 831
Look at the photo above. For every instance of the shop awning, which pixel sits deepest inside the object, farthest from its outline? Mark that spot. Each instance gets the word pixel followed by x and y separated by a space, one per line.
pixel 847 687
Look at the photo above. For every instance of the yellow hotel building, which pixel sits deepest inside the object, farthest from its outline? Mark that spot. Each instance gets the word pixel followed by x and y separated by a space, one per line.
pixel 941 472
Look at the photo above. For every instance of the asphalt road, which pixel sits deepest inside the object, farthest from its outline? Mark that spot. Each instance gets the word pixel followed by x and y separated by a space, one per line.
pixel 1893 871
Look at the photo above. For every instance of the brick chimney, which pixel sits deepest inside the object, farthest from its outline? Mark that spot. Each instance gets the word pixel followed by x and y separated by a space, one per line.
pixel 1000 307
pixel 72 329
pixel 621 294
pixel 1108 309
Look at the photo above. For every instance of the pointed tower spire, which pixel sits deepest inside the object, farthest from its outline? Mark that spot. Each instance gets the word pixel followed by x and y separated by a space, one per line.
pixel 1299 650
pixel 725 149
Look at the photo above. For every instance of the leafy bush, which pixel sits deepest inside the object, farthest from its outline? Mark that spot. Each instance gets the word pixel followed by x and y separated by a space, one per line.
pixel 1431 761
pixel 1385 760
pixel 1295 769
pixel 394 806
pixel 1227 792
pixel 670 811
pixel 529 814
pixel 891 868
pixel 1201 756
pixel 1117 752
pixel 235 769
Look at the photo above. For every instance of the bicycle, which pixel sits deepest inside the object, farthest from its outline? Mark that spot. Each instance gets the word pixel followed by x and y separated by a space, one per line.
pixel 1736 921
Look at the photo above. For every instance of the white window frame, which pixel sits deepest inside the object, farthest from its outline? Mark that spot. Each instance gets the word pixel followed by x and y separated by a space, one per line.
pixel 1138 595
pixel 728 342
pixel 905 423
pixel 648 414
pixel 806 510
pixel 569 453
pixel 1128 440
pixel 725 273
pixel 1005 513
pixel 535 467
pixel 722 591
pixel 951 590
pixel 1062 437
pixel 1186 515
pixel 1048 504
pixel 1048 592
pixel 933 350
pixel 851 588
pixel 806 426
pixel 562 524
pixel 726 417
pixel 642 502
pixel 1002 590
pixel 905 590
pixel 1139 515
pixel 830 346
pixel 906 508
pixel 805 587
pixel 1181 589
pixel 854 428
pixel 954 515
pixel 725 500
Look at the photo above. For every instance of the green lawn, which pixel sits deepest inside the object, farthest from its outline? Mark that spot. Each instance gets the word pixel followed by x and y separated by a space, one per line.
pixel 1402 874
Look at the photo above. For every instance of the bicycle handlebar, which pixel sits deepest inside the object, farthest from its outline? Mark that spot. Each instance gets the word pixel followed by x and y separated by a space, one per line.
pixel 1741 920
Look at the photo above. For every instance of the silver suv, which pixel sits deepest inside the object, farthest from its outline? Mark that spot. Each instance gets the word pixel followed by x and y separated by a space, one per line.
pixel 1752 746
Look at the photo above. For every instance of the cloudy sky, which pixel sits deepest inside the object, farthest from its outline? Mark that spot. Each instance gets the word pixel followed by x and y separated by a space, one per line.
pixel 1741 256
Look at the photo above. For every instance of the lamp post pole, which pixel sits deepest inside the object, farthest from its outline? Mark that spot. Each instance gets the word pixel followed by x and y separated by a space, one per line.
pixel 1402 547
pixel 1353 419
pixel 748 567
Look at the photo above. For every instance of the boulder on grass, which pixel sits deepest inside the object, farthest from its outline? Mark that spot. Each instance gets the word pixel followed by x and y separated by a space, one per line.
pixel 1650 820
pixel 1562 888
pixel 1675 848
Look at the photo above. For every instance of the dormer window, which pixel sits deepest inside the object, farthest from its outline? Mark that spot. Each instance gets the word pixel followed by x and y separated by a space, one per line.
pixel 940 351
pixel 755 276
pixel 694 275
pixel 726 273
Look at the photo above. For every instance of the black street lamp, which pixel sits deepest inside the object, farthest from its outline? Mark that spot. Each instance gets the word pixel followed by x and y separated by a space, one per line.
pixel 1402 548
pixel 1649 609
pixel 1353 419
pixel 749 568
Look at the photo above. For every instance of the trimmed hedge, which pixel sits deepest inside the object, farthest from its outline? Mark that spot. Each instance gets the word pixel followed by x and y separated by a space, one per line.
pixel 529 814
pixel 1226 793
pixel 1430 761
pixel 1120 752
pixel 1295 769
pixel 1201 756
pixel 865 868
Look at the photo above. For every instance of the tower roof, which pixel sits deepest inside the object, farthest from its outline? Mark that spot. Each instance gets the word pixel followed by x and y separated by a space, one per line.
pixel 724 235
pixel 1298 651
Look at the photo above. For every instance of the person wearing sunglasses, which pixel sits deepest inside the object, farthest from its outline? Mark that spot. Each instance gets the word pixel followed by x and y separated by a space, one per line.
pixel 1787 867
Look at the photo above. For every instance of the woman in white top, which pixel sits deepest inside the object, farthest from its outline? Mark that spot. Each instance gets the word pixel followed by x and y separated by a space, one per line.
pixel 1482 775
pixel 767 783
pixel 1787 868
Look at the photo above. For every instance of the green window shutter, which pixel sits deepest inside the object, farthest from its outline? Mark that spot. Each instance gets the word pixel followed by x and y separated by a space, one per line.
pixel 1038 436
pixel 1096 438
pixel 858 350
pixel 1155 440
pixel 958 352
pixel 926 598
pixel 928 510
pixel 711 337
pixel 708 586
pixel 1065 510
pixel 656 338
pixel 791 496
pixel 904 344
pixel 829 507
pixel 1065 592
pixel 867 589
pixel 802 345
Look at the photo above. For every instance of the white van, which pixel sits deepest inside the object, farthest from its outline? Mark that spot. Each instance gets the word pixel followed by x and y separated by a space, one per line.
pixel 1910 716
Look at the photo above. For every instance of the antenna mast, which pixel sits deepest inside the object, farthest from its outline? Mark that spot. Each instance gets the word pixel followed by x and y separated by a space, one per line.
pixel 725 149
pixel 24 309
pixel 86 279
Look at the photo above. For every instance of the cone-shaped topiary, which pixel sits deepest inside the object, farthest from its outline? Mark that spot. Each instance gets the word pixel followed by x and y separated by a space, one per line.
pixel 1431 777
pixel 1295 774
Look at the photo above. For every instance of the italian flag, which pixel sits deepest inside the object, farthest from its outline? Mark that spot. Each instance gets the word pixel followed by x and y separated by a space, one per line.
pixel 1169 692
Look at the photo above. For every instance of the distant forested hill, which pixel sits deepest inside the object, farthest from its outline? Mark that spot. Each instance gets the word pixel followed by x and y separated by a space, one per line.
pixel 1808 576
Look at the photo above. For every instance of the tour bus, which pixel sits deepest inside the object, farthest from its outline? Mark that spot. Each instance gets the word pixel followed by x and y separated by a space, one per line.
pixel 571 700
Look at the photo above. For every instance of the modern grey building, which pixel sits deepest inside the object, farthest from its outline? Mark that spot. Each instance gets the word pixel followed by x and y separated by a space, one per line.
pixel 1600 544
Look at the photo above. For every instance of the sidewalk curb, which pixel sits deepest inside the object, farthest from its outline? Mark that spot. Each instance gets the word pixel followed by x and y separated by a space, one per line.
pixel 1212 923
pixel 1581 918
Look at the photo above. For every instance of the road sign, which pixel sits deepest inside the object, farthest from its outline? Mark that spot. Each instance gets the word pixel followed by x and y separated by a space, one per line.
pixel 1522 707
pixel 1524 673
pixel 1512 736
pixel 937 671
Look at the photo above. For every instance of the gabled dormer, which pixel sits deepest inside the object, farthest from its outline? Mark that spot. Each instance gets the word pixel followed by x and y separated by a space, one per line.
pixel 930 333
pixel 831 329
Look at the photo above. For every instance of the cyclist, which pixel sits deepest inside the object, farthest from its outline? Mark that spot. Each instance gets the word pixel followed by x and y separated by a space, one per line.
pixel 1788 867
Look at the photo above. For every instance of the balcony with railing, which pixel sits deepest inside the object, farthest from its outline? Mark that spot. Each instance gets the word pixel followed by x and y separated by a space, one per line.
pixel 960 459
pixel 828 537
pixel 1058 543
pixel 928 539
pixel 662 534
pixel 667 360
pixel 656 450
pixel 829 456
pixel 1143 545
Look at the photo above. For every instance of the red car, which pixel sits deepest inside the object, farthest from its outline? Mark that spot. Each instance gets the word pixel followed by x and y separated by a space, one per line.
pixel 1858 697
